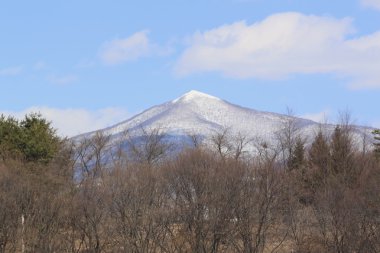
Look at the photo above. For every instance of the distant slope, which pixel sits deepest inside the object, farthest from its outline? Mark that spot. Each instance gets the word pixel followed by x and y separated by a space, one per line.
pixel 201 114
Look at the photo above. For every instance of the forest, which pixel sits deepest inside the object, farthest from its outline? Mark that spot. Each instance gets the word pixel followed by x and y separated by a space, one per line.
pixel 60 195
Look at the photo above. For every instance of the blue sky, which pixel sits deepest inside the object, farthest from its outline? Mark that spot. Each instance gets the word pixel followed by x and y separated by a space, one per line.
pixel 89 64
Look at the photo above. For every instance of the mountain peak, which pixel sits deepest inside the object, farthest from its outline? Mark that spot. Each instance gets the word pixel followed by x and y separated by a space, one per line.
pixel 204 115
pixel 194 95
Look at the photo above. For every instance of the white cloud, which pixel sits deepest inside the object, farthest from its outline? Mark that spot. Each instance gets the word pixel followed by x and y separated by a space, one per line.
pixel 285 44
pixel 62 80
pixel 11 71
pixel 72 121
pixel 127 49
pixel 371 3
pixel 320 117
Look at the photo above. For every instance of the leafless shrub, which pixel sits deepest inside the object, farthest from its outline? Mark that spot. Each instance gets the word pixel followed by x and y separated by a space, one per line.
pixel 148 145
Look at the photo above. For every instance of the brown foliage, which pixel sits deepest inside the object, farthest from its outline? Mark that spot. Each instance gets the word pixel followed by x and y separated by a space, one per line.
pixel 92 198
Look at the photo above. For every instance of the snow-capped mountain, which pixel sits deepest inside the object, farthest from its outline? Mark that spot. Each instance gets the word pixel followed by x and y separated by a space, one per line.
pixel 200 114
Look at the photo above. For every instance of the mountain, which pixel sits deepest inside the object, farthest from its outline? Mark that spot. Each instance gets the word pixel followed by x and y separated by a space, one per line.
pixel 197 113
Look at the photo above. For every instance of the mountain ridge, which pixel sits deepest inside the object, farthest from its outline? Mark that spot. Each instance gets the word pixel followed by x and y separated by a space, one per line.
pixel 201 114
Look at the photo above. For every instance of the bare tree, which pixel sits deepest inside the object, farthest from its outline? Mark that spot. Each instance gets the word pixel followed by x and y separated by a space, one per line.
pixel 287 137
pixel 228 144
pixel 203 209
pixel 196 140
pixel 221 143
pixel 240 144
pixel 148 145
pixel 258 208
pixel 9 211
pixel 136 209
pixel 92 154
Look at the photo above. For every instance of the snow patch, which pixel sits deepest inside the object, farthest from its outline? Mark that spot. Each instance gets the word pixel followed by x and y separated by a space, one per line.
pixel 201 114
pixel 194 95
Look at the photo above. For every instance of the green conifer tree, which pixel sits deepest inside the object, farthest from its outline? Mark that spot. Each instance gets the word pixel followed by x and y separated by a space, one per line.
pixel 32 139
pixel 319 154
pixel 376 134
pixel 297 158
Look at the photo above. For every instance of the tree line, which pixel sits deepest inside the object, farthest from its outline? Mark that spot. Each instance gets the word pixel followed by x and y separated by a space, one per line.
pixel 90 196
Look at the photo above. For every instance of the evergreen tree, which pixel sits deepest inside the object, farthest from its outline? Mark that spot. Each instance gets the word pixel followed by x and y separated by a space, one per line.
pixel 342 156
pixel 40 140
pixel 376 134
pixel 32 139
pixel 297 158
pixel 320 153
pixel 10 138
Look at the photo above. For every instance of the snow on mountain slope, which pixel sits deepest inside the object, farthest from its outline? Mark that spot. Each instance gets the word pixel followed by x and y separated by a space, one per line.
pixel 202 114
